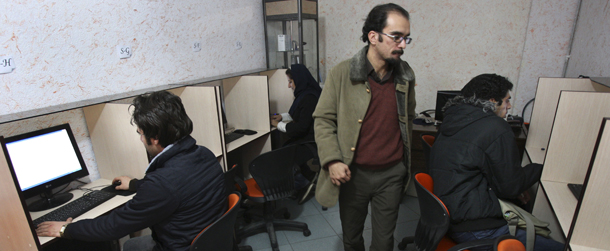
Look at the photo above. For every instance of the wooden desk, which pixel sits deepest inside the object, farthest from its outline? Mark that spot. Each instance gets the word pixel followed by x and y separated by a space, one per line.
pixel 95 212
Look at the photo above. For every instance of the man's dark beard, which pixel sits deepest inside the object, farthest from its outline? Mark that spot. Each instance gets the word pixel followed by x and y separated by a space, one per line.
pixel 392 62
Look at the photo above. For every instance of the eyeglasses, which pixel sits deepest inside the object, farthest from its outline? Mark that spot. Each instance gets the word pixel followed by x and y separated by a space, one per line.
pixel 398 39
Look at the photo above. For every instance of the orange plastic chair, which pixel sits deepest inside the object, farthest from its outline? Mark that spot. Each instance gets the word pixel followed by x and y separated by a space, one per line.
pixel 219 236
pixel 434 223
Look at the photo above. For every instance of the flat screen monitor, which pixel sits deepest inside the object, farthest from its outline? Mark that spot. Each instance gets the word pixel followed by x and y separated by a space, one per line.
pixel 441 99
pixel 43 160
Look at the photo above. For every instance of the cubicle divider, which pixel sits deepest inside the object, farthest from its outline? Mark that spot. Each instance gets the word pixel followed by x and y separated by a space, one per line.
pixel 115 141
pixel 590 228
pixel 246 103
pixel 14 227
pixel 280 96
pixel 118 150
pixel 543 112
pixel 565 121
pixel 573 136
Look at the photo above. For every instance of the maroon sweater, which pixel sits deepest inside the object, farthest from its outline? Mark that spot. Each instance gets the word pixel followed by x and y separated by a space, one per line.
pixel 380 144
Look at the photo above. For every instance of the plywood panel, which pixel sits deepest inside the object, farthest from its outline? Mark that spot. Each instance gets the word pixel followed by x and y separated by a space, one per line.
pixel 542 210
pixel 116 143
pixel 543 113
pixel 15 232
pixel 563 202
pixel 579 117
pixel 592 226
pixel 247 103
pixel 201 106
pixel 280 96
pixel 290 7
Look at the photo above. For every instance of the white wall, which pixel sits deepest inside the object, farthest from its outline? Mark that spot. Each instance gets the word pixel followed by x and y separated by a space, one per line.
pixel 457 40
pixel 65 52
pixel 591 47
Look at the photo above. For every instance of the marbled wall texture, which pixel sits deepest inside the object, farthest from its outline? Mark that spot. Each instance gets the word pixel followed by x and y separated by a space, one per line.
pixel 454 41
pixel 591 49
pixel 65 51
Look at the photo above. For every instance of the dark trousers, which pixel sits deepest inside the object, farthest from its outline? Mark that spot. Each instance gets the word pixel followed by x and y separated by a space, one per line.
pixel 540 243
pixel 383 189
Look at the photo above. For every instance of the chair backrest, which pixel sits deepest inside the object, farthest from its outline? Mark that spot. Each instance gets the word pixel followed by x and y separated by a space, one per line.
pixel 427 141
pixel 307 151
pixel 434 220
pixel 219 235
pixel 273 172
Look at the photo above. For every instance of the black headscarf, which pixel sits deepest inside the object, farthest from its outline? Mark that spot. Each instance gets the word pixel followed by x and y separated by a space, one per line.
pixel 304 83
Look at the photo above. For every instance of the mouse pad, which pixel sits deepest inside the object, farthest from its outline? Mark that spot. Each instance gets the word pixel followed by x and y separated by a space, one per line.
pixel 111 189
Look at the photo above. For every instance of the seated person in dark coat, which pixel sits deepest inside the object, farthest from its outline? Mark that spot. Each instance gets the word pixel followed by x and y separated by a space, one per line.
pixel 475 160
pixel 181 193
pixel 298 122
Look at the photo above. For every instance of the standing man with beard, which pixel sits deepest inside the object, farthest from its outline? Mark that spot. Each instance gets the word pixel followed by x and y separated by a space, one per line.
pixel 363 123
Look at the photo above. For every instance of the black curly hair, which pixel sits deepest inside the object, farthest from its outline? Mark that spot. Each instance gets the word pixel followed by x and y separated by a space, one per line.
pixel 376 20
pixel 161 115
pixel 487 86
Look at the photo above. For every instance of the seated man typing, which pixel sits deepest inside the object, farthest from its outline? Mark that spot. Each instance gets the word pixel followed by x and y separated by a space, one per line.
pixel 181 193
pixel 475 161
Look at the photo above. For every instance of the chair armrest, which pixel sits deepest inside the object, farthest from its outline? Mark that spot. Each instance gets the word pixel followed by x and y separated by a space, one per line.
pixel 241 184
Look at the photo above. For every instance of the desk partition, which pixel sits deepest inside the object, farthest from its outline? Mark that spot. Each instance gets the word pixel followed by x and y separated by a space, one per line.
pixel 573 136
pixel 246 101
pixel 543 112
pixel 280 96
pixel 118 148
pixel 15 230
pixel 119 151
pixel 591 224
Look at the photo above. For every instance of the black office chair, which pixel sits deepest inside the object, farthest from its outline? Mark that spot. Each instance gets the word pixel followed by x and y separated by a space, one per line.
pixel 434 223
pixel 220 235
pixel 307 153
pixel 272 180
pixel 427 140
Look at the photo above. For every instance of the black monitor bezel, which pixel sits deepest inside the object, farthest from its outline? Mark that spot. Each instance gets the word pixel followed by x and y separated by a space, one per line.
pixel 442 97
pixel 47 186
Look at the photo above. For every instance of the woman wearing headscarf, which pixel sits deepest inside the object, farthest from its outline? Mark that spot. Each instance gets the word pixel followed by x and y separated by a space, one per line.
pixel 298 123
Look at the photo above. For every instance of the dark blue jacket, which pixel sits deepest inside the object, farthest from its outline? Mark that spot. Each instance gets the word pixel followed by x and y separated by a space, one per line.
pixel 181 193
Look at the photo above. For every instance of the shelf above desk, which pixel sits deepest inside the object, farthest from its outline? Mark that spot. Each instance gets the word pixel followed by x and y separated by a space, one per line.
pixel 245 140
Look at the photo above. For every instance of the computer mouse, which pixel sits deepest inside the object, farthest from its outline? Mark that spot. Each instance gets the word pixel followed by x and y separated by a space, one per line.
pixel 245 131
pixel 116 183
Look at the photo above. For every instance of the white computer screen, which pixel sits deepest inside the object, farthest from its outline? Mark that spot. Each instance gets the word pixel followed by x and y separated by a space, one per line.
pixel 43 158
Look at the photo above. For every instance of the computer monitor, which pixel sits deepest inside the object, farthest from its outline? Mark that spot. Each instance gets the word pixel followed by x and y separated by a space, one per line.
pixel 43 160
pixel 441 99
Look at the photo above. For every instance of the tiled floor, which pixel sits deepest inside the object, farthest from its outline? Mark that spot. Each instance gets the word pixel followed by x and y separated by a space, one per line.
pixel 325 227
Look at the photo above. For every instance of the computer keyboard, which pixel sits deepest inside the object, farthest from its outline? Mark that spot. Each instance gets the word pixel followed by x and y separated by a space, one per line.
pixel 76 207
pixel 230 137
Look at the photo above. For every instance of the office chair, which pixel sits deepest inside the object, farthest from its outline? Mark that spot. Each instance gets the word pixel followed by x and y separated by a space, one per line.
pixel 427 140
pixel 307 152
pixel 219 236
pixel 434 223
pixel 272 180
